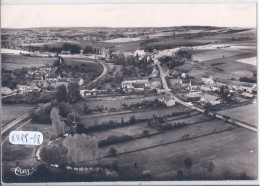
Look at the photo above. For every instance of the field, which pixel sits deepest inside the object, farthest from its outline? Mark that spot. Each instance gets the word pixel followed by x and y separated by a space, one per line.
pixel 209 54
pixel 24 155
pixel 164 154
pixel 90 120
pixel 90 64
pixel 251 61
pixel 246 113
pixel 116 102
pixel 130 130
pixel 12 61
pixel 122 40
pixel 12 111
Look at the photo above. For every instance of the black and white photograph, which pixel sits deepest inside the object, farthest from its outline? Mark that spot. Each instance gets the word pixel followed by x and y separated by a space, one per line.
pixel 134 92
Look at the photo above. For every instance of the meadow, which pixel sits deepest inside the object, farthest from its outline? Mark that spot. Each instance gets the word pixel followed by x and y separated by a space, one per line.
pixel 247 114
pixel 12 111
pixel 164 154
pixel 89 64
pixel 90 120
pixel 13 61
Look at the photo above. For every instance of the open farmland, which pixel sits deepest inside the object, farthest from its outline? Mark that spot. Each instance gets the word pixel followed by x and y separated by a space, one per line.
pixel 164 154
pixel 209 54
pixel 117 102
pixel 88 63
pixel 230 65
pixel 251 61
pixel 12 61
pixel 10 112
pixel 25 154
pixel 129 130
pixel 122 40
pixel 90 120
pixel 247 114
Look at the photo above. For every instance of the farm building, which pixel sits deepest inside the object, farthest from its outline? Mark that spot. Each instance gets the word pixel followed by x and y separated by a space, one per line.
pixel 22 88
pixel 136 84
pixel 6 91
pixel 247 95
pixel 192 96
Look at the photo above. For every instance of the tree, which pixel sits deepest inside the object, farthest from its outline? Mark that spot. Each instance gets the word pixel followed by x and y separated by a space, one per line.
pixel 204 165
pixel 112 150
pixel 57 124
pixel 188 163
pixel 146 132
pixel 73 92
pixel 86 109
pixel 61 93
pixel 132 119
pixel 73 120
pixel 179 175
pixel 211 168
pixel 64 109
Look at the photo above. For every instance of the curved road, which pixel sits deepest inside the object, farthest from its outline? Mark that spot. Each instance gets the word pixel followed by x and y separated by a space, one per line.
pixel 26 116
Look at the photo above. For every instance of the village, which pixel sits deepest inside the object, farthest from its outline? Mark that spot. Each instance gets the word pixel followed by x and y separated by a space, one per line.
pixel 109 109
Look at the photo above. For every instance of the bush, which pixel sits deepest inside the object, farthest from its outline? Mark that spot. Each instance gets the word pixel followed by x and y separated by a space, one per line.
pixel 146 132
pixel 64 109
pixel 54 154
pixel 132 119
pixel 179 175
pixel 114 139
pixel 41 116
pixel 112 151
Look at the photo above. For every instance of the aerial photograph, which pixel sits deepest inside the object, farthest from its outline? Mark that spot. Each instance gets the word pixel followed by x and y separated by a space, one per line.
pixel 129 92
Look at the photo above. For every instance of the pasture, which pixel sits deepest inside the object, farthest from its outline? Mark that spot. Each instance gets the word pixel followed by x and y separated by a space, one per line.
pixel 247 114
pixel 164 154
pixel 251 61
pixel 12 111
pixel 90 120
pixel 129 130
pixel 209 54
pixel 122 40
pixel 89 64
pixel 13 61
pixel 117 102
pixel 24 155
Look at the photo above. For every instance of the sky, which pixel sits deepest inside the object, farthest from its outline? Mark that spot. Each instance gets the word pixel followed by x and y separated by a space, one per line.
pixel 129 15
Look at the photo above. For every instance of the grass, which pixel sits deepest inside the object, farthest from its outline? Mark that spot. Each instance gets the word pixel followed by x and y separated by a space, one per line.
pixel 129 130
pixel 90 64
pixel 122 40
pixel 12 111
pixel 111 103
pixel 231 65
pixel 89 120
pixel 207 54
pixel 12 61
pixel 24 155
pixel 226 149
pixel 246 113
pixel 251 61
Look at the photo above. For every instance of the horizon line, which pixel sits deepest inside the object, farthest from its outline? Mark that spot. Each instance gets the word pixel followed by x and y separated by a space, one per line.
pixel 126 27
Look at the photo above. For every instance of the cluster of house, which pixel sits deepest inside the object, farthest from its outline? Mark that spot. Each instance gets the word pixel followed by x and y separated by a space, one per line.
pixel 44 78
pixel 198 90
pixel 138 85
